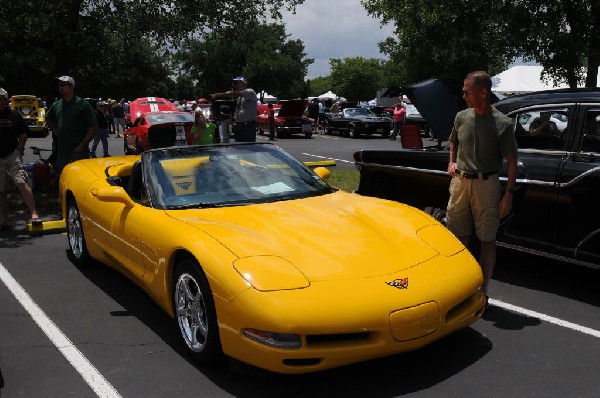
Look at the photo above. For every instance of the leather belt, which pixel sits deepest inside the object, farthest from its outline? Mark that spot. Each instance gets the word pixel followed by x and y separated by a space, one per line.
pixel 251 122
pixel 475 175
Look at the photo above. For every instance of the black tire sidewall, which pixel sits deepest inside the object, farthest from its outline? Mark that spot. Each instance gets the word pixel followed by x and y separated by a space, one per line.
pixel 84 258
pixel 212 351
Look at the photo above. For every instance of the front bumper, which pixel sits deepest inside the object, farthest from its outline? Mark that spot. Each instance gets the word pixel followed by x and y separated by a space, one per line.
pixel 341 323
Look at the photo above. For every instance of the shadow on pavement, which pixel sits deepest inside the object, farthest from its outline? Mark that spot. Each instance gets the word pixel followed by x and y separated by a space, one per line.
pixel 507 320
pixel 390 376
pixel 538 273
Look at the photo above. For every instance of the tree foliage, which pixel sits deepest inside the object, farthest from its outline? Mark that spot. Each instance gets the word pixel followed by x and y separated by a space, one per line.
pixel 319 85
pixel 357 78
pixel 455 37
pixel 445 38
pixel 562 36
pixel 109 45
pixel 260 52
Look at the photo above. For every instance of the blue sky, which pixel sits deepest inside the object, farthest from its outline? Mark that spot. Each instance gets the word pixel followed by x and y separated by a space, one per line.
pixel 335 29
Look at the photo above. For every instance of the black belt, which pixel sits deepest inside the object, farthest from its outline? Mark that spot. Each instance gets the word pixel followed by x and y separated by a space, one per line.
pixel 473 175
pixel 246 122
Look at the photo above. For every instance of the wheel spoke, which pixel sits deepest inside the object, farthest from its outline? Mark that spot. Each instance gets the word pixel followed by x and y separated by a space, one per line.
pixel 189 296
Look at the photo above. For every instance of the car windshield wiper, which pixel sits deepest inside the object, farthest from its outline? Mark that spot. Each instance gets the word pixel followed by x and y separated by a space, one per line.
pixel 301 195
pixel 194 206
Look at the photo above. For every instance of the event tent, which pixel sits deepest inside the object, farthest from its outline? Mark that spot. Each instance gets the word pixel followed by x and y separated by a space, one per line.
pixel 522 79
pixel 328 94
pixel 266 97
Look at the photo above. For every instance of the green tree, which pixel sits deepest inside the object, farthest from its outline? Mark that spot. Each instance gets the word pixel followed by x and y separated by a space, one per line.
pixel 263 54
pixel 43 39
pixel 319 85
pixel 562 36
pixel 447 38
pixel 356 79
pixel 455 37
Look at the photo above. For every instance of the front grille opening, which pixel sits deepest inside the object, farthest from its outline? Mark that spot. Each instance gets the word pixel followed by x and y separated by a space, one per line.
pixel 315 339
pixel 302 362
pixel 457 312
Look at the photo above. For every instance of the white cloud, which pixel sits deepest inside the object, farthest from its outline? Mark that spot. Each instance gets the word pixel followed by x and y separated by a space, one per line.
pixel 335 29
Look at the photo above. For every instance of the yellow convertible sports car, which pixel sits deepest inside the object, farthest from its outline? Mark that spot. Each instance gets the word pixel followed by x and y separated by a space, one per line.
pixel 257 258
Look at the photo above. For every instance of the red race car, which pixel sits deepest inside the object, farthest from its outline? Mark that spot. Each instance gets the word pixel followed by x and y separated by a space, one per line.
pixel 156 124
pixel 290 119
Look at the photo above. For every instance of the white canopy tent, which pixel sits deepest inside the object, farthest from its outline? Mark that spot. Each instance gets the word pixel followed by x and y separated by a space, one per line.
pixel 266 97
pixel 523 79
pixel 328 94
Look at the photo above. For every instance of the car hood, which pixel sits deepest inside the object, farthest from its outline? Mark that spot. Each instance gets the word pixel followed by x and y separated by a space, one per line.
pixel 292 108
pixel 335 236
pixel 370 118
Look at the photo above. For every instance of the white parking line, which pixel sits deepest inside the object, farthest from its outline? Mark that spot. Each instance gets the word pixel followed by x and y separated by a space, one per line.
pixel 325 157
pixel 90 374
pixel 546 318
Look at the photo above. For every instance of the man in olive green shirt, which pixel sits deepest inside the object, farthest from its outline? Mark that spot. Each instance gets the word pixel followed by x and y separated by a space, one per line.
pixel 73 122
pixel 481 137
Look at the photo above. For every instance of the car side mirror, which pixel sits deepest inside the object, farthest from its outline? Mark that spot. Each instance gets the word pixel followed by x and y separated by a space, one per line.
pixel 322 172
pixel 113 194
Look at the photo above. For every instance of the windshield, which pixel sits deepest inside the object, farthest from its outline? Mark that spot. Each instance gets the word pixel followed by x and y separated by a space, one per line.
pixel 161 118
pixel 226 175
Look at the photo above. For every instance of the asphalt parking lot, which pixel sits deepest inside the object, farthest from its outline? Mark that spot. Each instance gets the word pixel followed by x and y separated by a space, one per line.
pixel 84 332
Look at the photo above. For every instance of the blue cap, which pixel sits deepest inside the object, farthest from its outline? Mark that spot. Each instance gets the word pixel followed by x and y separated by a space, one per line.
pixel 240 79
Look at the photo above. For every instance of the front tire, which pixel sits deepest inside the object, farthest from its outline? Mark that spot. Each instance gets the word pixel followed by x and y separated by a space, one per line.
pixel 438 214
pixel 75 235
pixel 195 312
pixel 324 128
pixel 353 132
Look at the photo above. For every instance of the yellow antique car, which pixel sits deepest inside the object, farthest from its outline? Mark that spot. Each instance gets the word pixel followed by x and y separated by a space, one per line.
pixel 257 258
pixel 32 111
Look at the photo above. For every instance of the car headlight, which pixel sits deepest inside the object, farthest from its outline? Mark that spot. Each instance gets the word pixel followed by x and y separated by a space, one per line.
pixel 270 273
pixel 440 239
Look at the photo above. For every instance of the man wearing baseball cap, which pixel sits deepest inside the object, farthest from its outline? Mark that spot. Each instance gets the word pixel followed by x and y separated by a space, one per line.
pixel 73 121
pixel 245 111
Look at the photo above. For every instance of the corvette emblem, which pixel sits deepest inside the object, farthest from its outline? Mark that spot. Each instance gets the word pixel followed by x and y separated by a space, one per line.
pixel 184 185
pixel 399 283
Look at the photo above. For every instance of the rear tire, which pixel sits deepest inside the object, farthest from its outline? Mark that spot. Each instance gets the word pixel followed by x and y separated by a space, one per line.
pixel 75 235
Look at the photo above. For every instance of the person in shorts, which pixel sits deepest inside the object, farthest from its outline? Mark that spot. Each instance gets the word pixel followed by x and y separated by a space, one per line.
pixel 13 135
pixel 481 138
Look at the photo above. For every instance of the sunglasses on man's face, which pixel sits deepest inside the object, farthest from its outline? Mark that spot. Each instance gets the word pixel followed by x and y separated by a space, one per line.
pixel 63 84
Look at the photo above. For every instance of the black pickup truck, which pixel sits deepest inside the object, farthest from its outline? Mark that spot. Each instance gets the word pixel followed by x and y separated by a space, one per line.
pixel 556 210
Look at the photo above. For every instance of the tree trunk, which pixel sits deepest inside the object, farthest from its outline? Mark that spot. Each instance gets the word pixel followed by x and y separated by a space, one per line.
pixel 591 79
pixel 571 77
